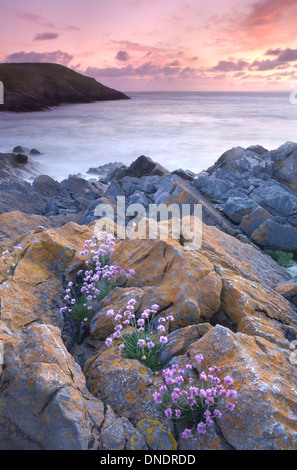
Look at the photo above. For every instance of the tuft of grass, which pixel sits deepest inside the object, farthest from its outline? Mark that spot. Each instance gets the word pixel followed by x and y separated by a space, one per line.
pixel 147 356
pixel 284 258
pixel 80 312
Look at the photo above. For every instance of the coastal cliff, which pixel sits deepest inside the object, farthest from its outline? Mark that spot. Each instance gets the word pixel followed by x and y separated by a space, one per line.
pixel 39 86
pixel 66 384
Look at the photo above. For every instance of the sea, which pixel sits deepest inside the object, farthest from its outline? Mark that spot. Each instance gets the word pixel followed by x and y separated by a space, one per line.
pixel 188 130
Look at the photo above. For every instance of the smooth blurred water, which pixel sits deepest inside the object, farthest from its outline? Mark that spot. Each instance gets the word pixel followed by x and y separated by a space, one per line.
pixel 187 130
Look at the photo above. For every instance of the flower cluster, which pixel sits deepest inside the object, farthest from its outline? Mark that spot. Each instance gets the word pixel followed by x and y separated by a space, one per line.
pixel 195 404
pixel 94 282
pixel 145 341
pixel 11 258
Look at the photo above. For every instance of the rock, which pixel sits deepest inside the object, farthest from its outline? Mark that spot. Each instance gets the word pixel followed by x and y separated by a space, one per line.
pixel 58 205
pixel 118 433
pixel 144 166
pixel 35 152
pixel 14 226
pixel 124 384
pixel 21 158
pixel 257 149
pixel 236 208
pixel 212 187
pixel 227 157
pixel 46 186
pixel 287 289
pixel 16 167
pixel 101 325
pixel 230 280
pixel 80 188
pixel 254 219
pixel 274 235
pixel 108 171
pixel 264 416
pixel 35 291
pixel 20 149
pixel 285 168
pixel 156 436
pixel 185 174
pixel 180 340
pixel 45 404
pixel 278 200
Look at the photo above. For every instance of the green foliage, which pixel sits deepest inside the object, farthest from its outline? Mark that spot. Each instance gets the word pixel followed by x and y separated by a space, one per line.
pixel 80 312
pixel 147 356
pixel 284 258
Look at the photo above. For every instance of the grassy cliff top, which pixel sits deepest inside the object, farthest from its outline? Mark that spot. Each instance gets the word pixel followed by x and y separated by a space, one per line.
pixel 38 86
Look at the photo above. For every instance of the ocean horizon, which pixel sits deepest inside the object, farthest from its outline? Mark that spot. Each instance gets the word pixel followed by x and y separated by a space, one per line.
pixel 187 129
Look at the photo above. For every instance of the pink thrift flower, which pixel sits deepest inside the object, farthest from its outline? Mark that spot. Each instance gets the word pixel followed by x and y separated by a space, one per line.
pixel 203 376
pixel 186 434
pixel 201 428
pixel 228 380
pixel 199 358
pixel 163 339
pixel 217 413
pixel 168 412
pixel 158 398
pixel 230 406
pixel 209 421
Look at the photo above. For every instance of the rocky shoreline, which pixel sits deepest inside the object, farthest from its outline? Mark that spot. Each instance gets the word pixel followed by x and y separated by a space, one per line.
pixel 61 387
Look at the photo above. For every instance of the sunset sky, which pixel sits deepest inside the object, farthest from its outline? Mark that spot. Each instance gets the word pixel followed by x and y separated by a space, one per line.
pixel 139 45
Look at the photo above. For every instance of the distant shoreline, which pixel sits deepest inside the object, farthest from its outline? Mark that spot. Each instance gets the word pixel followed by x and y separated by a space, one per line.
pixel 39 86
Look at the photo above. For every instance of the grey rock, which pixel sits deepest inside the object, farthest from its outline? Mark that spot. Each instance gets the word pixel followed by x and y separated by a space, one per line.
pixel 274 235
pixel 21 149
pixel 145 166
pixel 81 188
pixel 48 187
pixel 35 152
pixel 278 200
pixel 185 174
pixel 237 207
pixel 212 187
pixel 227 157
pixel 253 220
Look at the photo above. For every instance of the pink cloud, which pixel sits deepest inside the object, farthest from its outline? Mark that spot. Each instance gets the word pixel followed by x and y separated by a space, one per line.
pixel 58 57
pixel 45 36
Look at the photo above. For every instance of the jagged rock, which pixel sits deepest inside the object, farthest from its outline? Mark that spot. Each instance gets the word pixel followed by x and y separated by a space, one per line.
pixel 254 219
pixel 185 174
pixel 125 385
pixel 237 207
pixel 265 414
pixel 21 158
pixel 81 188
pixel 212 187
pixel 237 282
pixel 35 291
pixel 144 166
pixel 278 200
pixel 276 234
pixel 45 404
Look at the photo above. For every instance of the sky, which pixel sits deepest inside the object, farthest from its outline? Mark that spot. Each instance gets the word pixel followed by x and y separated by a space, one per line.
pixel 159 45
